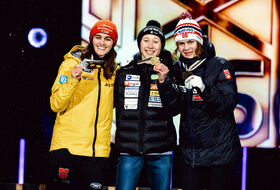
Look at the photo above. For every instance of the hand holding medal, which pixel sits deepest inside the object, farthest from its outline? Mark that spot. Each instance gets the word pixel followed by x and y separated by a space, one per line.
pixel 160 68
pixel 90 64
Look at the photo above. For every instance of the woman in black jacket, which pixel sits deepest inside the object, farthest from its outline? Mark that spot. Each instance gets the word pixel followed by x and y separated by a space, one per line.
pixel 204 91
pixel 145 134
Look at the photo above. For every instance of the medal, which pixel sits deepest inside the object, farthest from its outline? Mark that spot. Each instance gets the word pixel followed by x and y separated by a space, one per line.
pixel 186 75
pixel 90 64
pixel 150 60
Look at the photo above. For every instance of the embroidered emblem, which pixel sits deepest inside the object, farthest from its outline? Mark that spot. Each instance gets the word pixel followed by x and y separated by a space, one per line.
pixel 227 74
pixel 63 79
pixel 63 173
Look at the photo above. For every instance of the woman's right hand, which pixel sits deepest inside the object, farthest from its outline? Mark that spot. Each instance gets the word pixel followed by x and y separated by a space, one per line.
pixel 76 73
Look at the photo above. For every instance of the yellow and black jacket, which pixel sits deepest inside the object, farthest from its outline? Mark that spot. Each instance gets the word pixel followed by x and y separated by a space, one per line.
pixel 84 110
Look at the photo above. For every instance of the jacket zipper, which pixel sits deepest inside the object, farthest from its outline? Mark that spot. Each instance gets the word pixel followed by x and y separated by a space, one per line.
pixel 191 130
pixel 97 113
pixel 142 104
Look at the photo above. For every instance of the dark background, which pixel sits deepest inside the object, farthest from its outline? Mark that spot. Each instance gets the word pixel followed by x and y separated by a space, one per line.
pixel 27 75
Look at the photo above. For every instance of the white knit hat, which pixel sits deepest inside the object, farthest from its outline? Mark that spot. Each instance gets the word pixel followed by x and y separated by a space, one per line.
pixel 187 28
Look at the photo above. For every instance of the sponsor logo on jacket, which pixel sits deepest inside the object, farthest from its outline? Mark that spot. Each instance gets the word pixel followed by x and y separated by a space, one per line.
pixel 87 78
pixel 132 83
pixel 130 103
pixel 132 77
pixel 131 91
pixel 109 84
pixel 154 87
pixel 154 77
pixel 196 96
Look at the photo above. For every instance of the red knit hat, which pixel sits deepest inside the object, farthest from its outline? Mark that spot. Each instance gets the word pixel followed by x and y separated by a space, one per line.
pixel 105 27
pixel 188 28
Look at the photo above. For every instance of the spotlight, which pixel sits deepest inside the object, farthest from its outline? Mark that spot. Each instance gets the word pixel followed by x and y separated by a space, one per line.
pixel 37 37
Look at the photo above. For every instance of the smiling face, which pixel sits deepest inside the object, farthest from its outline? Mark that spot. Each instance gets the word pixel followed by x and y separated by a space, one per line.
pixel 102 44
pixel 150 46
pixel 187 48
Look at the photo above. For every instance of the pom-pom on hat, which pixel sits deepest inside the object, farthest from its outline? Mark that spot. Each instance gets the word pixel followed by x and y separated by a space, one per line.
pixel 187 28
pixel 105 27
pixel 152 27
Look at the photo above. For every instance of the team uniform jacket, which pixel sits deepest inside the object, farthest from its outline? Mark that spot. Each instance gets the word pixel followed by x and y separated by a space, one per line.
pixel 208 134
pixel 84 109
pixel 142 125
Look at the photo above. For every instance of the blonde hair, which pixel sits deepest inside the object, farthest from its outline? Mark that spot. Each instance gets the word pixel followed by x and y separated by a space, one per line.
pixel 198 52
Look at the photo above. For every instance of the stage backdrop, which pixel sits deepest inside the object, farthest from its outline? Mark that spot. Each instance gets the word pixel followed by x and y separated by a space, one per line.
pixel 245 32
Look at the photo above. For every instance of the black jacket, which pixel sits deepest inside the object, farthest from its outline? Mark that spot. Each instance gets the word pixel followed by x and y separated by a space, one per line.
pixel 142 125
pixel 208 134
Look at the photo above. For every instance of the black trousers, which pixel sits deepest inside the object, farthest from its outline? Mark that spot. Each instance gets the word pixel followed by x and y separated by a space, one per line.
pixel 224 177
pixel 66 171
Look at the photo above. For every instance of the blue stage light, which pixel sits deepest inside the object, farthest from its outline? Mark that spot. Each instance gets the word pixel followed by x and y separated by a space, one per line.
pixel 21 161
pixel 37 37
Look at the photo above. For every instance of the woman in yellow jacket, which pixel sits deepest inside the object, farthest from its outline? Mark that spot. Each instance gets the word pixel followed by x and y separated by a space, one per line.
pixel 82 96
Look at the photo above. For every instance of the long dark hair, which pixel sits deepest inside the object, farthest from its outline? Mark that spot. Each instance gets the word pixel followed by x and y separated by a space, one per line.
pixel 109 59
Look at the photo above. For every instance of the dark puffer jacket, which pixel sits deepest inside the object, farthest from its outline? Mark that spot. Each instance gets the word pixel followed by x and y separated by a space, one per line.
pixel 142 125
pixel 208 134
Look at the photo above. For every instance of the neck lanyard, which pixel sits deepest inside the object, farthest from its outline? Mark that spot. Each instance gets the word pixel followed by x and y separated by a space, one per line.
pixel 194 65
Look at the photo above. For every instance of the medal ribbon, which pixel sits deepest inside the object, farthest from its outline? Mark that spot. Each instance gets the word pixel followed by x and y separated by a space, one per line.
pixel 194 65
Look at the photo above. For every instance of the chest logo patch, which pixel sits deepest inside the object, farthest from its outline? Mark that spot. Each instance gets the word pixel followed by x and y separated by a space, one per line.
pixel 196 96
pixel 63 79
pixel 227 74
pixel 132 83
pixel 154 77
pixel 132 77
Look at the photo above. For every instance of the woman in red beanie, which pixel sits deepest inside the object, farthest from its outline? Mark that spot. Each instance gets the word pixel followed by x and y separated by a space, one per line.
pixel 203 90
pixel 82 97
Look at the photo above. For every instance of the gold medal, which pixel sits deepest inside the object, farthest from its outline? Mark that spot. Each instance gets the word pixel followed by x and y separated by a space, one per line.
pixel 150 60
pixel 154 60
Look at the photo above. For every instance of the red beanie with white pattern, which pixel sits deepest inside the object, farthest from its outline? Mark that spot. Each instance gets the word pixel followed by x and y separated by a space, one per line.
pixel 187 28
pixel 105 27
